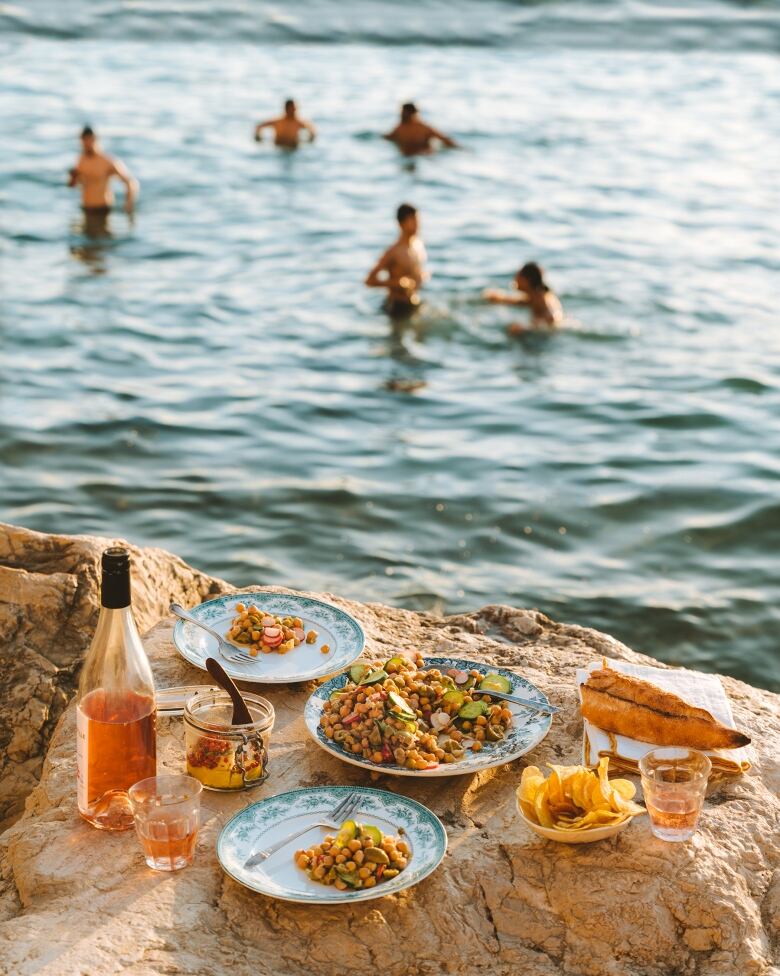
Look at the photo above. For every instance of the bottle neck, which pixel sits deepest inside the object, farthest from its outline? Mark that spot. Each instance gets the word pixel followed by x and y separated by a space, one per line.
pixel 115 591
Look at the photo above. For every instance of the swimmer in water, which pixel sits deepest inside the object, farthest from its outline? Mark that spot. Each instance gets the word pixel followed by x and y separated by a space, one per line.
pixel 415 137
pixel 533 291
pixel 401 269
pixel 93 173
pixel 287 129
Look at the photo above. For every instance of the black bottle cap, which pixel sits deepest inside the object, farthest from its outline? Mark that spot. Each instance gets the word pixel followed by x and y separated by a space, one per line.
pixel 115 588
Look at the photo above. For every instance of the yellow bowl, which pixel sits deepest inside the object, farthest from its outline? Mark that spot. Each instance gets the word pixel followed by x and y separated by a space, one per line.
pixel 585 835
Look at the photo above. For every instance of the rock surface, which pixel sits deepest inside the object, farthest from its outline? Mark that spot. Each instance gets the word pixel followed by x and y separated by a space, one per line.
pixel 77 902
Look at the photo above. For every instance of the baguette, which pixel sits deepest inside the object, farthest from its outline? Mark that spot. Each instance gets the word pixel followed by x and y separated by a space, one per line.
pixel 638 709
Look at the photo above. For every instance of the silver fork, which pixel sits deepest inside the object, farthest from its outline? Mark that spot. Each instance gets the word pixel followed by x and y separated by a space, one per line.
pixel 229 651
pixel 333 820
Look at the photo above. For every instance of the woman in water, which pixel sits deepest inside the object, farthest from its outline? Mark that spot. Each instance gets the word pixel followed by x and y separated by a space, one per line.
pixel 533 291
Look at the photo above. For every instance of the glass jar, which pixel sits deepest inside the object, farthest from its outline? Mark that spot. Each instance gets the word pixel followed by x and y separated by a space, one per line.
pixel 223 756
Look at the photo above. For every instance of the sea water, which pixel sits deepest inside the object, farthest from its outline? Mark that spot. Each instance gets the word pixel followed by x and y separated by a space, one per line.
pixel 214 378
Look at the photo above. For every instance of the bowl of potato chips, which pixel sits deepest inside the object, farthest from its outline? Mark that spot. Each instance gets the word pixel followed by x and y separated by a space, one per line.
pixel 576 805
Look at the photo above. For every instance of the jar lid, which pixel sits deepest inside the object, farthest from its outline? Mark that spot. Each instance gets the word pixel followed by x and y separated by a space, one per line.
pixel 212 711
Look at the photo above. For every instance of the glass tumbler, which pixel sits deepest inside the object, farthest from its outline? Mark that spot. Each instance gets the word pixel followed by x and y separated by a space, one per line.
pixel 166 810
pixel 674 781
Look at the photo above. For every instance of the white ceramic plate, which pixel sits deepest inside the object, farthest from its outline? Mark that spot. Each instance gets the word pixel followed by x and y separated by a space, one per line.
pixel 334 627
pixel 267 821
pixel 585 836
pixel 528 729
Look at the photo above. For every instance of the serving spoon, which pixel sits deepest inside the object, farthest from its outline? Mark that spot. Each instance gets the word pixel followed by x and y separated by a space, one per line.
pixel 241 713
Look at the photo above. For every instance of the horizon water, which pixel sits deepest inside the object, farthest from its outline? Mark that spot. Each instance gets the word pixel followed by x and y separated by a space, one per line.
pixel 215 379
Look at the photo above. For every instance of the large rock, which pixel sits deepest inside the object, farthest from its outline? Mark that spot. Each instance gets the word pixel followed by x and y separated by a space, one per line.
pixel 79 902
pixel 49 601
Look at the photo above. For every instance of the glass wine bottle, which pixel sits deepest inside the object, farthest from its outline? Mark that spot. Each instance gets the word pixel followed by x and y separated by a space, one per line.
pixel 116 716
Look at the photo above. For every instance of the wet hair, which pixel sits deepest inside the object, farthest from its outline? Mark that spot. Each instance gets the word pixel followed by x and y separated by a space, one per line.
pixel 408 109
pixel 87 131
pixel 289 105
pixel 534 275
pixel 404 211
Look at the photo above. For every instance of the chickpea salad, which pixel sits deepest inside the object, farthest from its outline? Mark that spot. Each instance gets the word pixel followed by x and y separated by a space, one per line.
pixel 359 856
pixel 417 717
pixel 262 632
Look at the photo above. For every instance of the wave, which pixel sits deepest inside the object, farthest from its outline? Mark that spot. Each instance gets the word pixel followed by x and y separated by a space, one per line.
pixel 709 24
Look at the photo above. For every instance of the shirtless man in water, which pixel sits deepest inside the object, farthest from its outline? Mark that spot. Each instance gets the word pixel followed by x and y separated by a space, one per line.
pixel 413 136
pixel 401 269
pixel 94 172
pixel 287 129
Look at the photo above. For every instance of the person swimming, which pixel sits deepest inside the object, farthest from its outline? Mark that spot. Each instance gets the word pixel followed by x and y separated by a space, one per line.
pixel 415 137
pixel 93 173
pixel 401 269
pixel 287 128
pixel 531 290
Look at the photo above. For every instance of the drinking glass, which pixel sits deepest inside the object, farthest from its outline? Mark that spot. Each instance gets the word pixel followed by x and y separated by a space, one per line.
pixel 166 810
pixel 674 781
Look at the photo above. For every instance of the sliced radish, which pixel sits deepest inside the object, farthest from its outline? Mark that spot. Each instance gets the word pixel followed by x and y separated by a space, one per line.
pixel 299 634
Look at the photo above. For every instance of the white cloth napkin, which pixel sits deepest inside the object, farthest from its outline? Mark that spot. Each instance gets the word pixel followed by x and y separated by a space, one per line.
pixel 703 690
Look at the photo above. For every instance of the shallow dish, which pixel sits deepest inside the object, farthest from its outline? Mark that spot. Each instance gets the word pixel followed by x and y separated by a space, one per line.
pixel 583 836
pixel 334 627
pixel 528 726
pixel 261 824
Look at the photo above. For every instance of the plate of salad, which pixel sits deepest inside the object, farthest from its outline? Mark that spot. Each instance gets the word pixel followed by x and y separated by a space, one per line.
pixel 423 717
pixel 388 843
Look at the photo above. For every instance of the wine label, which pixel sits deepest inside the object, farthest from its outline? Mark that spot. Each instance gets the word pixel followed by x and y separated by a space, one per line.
pixel 82 761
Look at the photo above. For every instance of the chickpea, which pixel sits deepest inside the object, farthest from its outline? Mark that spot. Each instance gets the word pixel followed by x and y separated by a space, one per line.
pixel 328 861
pixel 325 649
pixel 358 856
pixel 340 858
pixel 240 607
pixel 319 873
pixel 402 846
pixel 341 885
pixel 481 720
pixel 477 747
pixel 364 873
pixel 466 726
pixel 368 842
pixel 480 735
pixel 354 845
pixel 350 866
pixel 302 862
pixel 369 882
pixel 311 637
pixel 506 715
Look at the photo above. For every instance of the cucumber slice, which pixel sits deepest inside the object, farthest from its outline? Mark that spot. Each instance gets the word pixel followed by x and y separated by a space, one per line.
pixel 347 832
pixel 368 830
pixel 495 682
pixel 453 697
pixel 408 724
pixel 399 706
pixel 358 671
pixel 494 733
pixel 374 677
pixel 472 710
pixel 348 877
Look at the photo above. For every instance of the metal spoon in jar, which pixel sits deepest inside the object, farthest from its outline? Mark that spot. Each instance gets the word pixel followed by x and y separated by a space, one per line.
pixel 241 713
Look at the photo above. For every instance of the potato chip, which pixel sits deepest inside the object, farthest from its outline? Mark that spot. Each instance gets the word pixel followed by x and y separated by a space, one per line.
pixel 542 806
